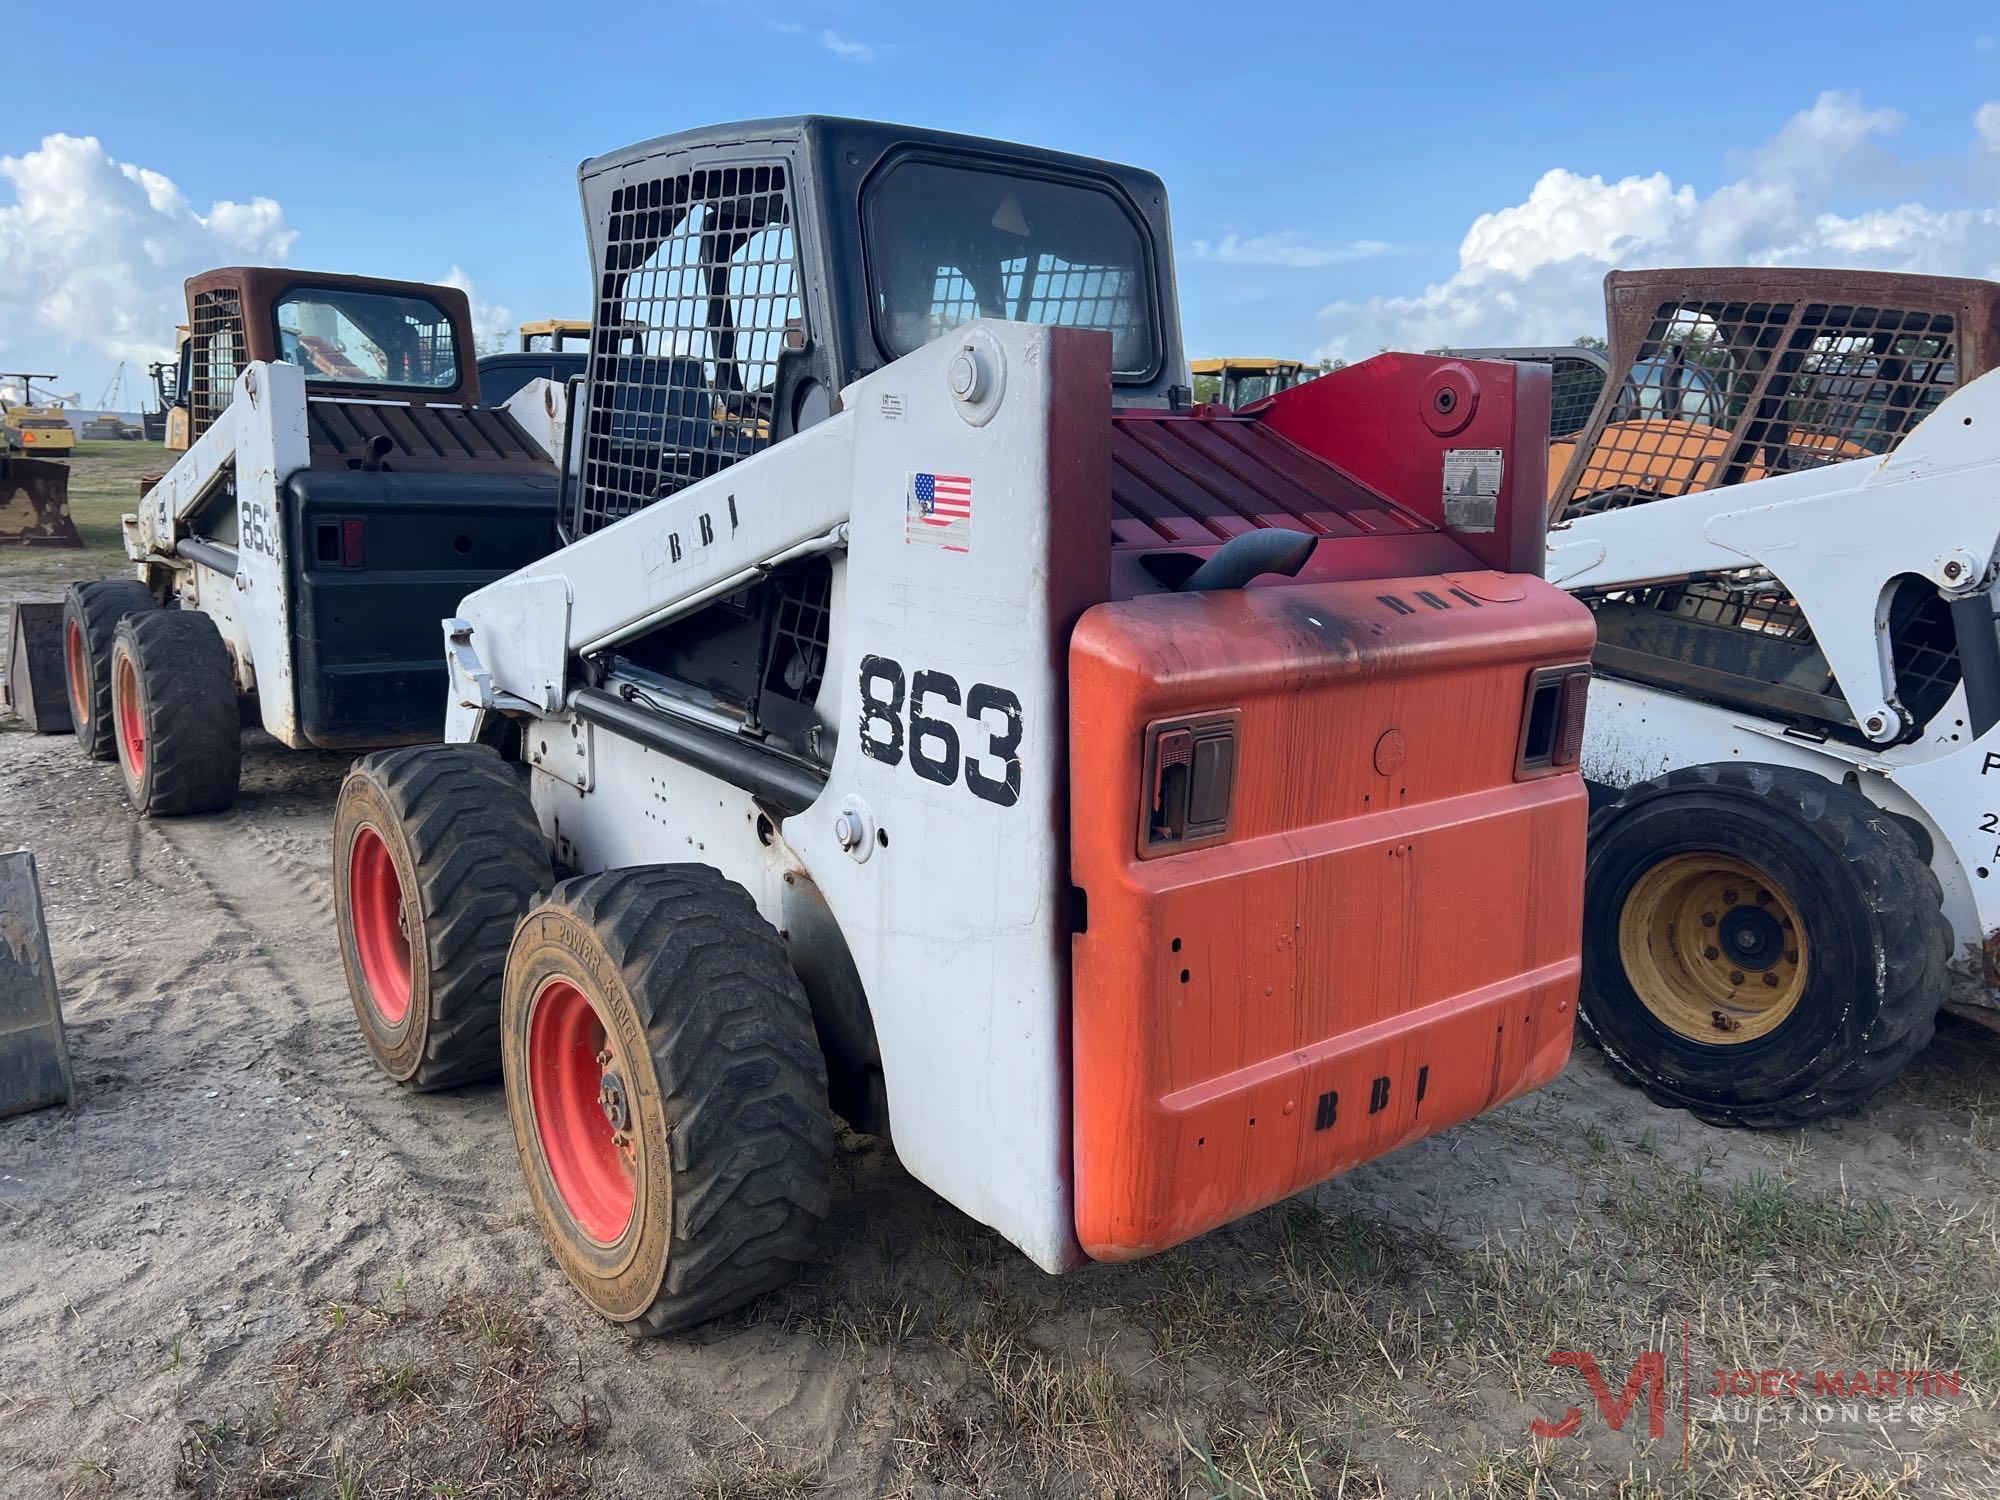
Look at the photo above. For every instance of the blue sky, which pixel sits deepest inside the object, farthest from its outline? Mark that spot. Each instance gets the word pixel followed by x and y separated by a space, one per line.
pixel 1325 166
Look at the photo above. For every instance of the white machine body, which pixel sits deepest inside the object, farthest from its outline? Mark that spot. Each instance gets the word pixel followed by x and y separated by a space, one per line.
pixel 233 568
pixel 1838 540
pixel 961 944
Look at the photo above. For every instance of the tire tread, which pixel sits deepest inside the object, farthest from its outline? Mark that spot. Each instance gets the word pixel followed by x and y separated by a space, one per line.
pixel 481 861
pixel 194 735
pixel 733 1043
pixel 98 607
pixel 1905 903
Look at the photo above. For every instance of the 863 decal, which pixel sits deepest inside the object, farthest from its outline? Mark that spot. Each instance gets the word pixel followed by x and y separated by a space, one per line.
pixel 259 530
pixel 919 714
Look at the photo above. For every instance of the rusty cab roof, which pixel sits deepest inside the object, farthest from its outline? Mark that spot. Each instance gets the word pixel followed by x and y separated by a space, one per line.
pixel 427 428
pixel 261 286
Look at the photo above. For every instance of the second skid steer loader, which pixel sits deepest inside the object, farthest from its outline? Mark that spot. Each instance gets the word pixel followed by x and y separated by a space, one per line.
pixel 1781 514
pixel 1138 812
pixel 337 486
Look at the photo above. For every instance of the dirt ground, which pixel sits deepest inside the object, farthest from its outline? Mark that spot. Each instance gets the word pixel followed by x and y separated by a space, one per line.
pixel 245 1265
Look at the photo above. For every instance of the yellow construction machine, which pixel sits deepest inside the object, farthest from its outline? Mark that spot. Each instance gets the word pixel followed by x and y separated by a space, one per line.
pixel 1238 381
pixel 554 333
pixel 31 426
pixel 34 482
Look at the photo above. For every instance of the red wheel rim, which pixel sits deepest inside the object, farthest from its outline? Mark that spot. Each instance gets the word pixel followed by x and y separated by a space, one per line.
pixel 73 660
pixel 375 898
pixel 125 709
pixel 583 1110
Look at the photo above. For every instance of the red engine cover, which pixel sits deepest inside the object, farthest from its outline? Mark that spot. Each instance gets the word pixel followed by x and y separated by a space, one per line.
pixel 1385 939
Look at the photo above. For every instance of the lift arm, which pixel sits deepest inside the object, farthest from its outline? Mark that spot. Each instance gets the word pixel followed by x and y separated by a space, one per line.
pixel 260 437
pixel 1832 537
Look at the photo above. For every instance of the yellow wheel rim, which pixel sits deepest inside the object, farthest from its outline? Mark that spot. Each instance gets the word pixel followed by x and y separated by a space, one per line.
pixel 1714 948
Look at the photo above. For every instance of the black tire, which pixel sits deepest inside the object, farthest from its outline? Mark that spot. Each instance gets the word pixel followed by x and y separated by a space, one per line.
pixel 1839 869
pixel 453 829
pixel 705 1048
pixel 174 713
pixel 91 612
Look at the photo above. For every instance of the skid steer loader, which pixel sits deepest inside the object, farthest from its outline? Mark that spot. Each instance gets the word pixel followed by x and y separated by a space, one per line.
pixel 337 490
pixel 1239 381
pixel 1138 812
pixel 31 427
pixel 1781 514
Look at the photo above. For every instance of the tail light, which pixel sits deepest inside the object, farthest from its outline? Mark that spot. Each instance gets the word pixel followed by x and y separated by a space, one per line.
pixel 1190 783
pixel 1552 721
pixel 341 543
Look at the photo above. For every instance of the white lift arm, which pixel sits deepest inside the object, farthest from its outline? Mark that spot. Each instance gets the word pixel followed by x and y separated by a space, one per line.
pixel 1930 508
pixel 262 433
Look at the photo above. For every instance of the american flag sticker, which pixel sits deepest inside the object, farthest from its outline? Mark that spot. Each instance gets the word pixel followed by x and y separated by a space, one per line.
pixel 939 512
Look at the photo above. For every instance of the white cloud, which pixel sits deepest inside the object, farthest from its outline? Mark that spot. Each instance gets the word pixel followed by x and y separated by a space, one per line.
pixel 493 323
pixel 1987 123
pixel 1532 273
pixel 846 48
pixel 93 250
pixel 1283 249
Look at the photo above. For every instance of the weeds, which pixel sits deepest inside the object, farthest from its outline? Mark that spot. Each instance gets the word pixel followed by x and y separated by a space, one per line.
pixel 461 1399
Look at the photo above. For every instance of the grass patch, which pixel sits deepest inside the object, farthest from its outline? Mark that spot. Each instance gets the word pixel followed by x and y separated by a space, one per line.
pixel 386 1399
pixel 1309 1352
pixel 103 486
pixel 1758 1219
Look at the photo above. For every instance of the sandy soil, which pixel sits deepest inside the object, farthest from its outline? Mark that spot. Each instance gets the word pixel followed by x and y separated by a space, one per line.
pixel 245 1264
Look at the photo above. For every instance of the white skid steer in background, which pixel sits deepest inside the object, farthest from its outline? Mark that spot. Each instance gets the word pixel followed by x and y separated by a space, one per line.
pixel 1783 515
pixel 337 486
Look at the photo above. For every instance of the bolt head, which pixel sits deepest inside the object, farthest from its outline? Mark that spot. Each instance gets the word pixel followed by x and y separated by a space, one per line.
pixel 847 830
pixel 967 376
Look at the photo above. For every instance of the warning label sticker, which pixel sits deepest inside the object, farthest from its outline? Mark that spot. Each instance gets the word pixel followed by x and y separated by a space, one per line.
pixel 1472 487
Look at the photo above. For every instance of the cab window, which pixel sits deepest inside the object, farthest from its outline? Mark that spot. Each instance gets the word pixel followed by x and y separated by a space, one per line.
pixel 950 243
pixel 366 338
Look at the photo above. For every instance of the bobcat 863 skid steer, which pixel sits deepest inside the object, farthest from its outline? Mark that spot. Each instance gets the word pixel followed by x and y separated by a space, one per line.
pixel 337 487
pixel 1138 812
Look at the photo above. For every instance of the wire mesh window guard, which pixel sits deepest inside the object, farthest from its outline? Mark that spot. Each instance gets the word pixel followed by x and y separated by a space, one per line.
pixel 697 296
pixel 219 356
pixel 799 637
pixel 1724 393
pixel 1574 386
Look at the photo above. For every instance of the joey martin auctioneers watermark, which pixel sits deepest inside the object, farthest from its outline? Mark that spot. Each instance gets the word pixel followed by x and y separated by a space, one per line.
pixel 1852 1396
